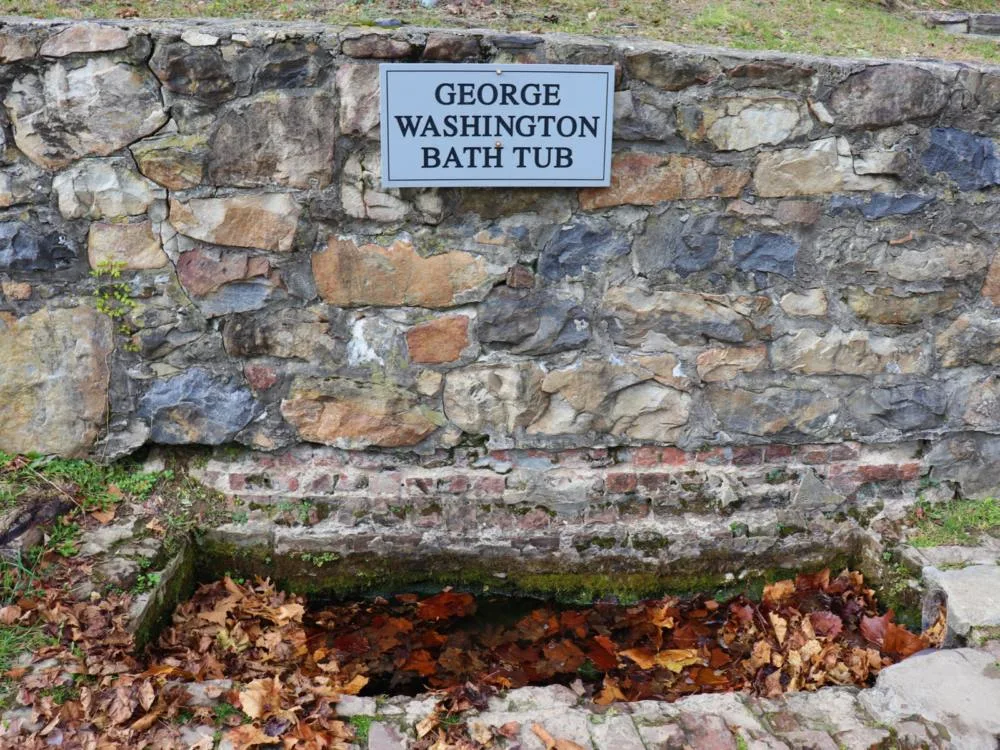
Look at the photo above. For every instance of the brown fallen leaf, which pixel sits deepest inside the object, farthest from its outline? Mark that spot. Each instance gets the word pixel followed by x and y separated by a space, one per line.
pixel 551 743
pixel 677 658
pixel 103 516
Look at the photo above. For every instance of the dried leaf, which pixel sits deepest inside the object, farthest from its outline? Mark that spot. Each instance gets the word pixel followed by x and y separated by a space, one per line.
pixel 551 743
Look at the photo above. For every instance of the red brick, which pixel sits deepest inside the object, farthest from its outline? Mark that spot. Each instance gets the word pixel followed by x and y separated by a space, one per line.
pixel 843 452
pixel 775 453
pixel 812 454
pixel 646 455
pixel 653 481
pixel 674 457
pixel 889 472
pixel 458 484
pixel 620 481
pixel 237 481
pixel 713 456
pixel 748 455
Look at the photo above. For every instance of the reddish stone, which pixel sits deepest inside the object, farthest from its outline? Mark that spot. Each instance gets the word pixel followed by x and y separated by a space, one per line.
pixel 438 341
pixel 620 481
pixel 458 484
pixel 644 179
pixel 490 486
pixel 814 455
pixel 201 274
pixel 520 277
pixel 260 377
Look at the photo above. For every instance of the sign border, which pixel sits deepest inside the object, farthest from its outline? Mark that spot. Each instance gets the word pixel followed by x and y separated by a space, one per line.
pixel 385 69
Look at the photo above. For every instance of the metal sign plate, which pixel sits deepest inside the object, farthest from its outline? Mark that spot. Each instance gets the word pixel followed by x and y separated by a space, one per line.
pixel 445 125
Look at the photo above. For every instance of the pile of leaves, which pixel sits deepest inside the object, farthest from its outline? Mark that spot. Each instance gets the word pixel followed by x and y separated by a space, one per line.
pixel 289 667
pixel 806 633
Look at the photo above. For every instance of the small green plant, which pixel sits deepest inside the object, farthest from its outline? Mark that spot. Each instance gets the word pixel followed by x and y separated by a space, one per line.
pixel 741 742
pixel 957 522
pixel 319 559
pixel 114 298
pixel 362 726
pixel 64 537
pixel 146 582
pixel 223 712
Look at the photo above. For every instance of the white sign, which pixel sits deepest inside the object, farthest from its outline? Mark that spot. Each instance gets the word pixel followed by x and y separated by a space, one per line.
pixel 449 125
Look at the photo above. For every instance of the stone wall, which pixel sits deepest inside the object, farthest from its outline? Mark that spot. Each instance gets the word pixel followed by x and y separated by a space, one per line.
pixel 796 257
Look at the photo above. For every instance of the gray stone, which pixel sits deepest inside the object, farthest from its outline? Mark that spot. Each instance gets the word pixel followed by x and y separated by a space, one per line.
pixel 794 414
pixel 84 37
pixel 766 252
pixel 910 407
pixel 200 72
pixel 616 732
pixel 23 182
pixel 196 407
pixel 644 115
pixel 588 244
pixel 813 493
pixel 23 248
pixel 971 596
pixel 275 138
pixel 959 688
pixel 308 334
pixel 886 95
pixel 676 242
pixel 382 736
pixel 968 459
pixel 970 160
pixel 104 188
pixel 881 205
pixel 292 65
pixel 64 111
pixel 531 322
pixel 669 70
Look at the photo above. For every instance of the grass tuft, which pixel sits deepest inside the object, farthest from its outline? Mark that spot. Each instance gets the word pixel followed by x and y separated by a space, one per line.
pixel 960 522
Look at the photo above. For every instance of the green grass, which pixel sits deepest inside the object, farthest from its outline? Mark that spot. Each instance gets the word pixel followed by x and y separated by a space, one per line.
pixel 362 725
pixel 16 640
pixel 832 27
pixel 959 522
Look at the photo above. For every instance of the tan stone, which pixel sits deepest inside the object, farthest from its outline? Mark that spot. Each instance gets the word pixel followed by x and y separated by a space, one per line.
pixel 351 276
pixel 15 46
pixel 847 353
pixel 84 37
pixel 174 161
pixel 982 411
pixel 811 303
pixel 645 179
pixel 358 84
pixel 494 398
pixel 725 363
pixel 18 291
pixel 825 166
pixel 429 382
pixel 54 384
pixel 886 308
pixel 991 286
pixel 265 221
pixel 798 212
pixel 939 261
pixel 741 123
pixel 622 398
pixel 438 341
pixel 137 246
pixel 349 414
